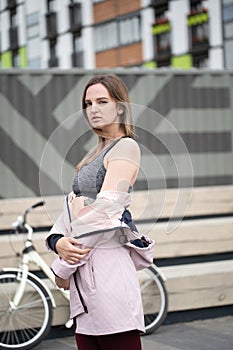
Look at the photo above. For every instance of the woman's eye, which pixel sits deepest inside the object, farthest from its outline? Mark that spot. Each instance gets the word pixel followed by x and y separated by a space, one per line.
pixel 103 102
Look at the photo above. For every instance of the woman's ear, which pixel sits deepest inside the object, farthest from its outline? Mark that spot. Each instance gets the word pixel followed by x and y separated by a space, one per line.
pixel 119 110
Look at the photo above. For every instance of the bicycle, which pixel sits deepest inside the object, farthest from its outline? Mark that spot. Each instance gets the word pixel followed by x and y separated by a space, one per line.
pixel 27 304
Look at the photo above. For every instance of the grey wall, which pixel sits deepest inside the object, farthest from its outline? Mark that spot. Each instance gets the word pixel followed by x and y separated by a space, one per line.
pixel 184 123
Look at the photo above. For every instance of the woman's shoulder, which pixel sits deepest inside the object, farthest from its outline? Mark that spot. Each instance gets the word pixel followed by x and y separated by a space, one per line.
pixel 126 147
pixel 128 142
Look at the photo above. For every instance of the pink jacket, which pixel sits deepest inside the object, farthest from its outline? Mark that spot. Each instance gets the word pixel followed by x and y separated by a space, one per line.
pixel 104 288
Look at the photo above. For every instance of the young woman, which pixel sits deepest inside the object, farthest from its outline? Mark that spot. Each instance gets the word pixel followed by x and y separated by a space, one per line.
pixel 96 241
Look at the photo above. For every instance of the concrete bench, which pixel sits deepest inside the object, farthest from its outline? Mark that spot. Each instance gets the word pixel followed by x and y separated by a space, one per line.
pixel 183 223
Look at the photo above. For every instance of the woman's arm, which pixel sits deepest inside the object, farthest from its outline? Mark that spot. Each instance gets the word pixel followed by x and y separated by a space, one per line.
pixel 122 164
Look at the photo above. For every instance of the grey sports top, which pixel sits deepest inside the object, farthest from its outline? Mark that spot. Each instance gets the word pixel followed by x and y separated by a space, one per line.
pixel 89 179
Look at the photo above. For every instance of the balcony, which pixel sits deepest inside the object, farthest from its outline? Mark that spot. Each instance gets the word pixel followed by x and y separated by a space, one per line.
pixel 51 25
pixel 159 3
pixel 13 36
pixel 199 45
pixel 75 17
pixel 53 62
pixel 195 2
pixel 160 6
pixel 163 56
pixel 77 59
pixel 11 4
pixel 162 25
pixel 197 17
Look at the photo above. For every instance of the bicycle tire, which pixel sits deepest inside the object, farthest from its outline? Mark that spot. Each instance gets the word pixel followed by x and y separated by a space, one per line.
pixel 26 326
pixel 154 298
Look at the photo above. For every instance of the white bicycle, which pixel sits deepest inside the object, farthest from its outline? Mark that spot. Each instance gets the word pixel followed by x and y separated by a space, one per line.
pixel 26 309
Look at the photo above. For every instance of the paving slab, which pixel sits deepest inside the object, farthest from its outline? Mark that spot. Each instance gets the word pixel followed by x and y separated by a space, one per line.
pixel 208 334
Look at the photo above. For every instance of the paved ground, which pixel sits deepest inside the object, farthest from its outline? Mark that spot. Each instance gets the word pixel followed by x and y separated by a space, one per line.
pixel 210 334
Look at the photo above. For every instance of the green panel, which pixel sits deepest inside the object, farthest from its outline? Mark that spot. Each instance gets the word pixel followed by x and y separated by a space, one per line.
pixel 7 59
pixel 197 19
pixel 161 28
pixel 184 61
pixel 23 56
pixel 151 64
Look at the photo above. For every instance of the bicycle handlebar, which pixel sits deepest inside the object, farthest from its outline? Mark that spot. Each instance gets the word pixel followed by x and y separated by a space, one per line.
pixel 21 220
pixel 39 204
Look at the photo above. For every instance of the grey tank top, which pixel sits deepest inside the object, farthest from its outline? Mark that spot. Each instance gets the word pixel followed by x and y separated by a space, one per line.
pixel 89 179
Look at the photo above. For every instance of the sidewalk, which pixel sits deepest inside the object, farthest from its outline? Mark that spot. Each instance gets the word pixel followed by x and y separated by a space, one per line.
pixel 210 334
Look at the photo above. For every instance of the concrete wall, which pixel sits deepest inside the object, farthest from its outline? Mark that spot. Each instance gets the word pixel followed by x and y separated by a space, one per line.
pixel 183 120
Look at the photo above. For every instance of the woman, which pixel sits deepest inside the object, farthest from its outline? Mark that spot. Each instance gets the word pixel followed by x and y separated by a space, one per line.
pixel 96 241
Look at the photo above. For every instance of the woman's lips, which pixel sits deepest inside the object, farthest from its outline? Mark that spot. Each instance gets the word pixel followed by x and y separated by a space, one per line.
pixel 96 119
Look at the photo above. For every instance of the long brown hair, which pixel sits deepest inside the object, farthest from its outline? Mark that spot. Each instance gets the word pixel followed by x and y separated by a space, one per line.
pixel 119 93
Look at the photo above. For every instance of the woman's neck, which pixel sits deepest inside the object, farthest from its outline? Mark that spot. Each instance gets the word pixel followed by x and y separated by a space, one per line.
pixel 111 136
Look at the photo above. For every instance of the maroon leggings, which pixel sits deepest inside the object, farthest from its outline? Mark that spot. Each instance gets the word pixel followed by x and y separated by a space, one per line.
pixel 123 341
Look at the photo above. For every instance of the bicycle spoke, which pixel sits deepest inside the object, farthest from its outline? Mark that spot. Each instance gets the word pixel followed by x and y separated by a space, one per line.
pixel 26 325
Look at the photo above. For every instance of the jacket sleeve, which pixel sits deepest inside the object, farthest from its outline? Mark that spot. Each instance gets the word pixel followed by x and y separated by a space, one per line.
pixel 65 270
pixel 104 213
pixel 60 227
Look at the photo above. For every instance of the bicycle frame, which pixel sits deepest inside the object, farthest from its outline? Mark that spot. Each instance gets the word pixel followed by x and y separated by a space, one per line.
pixel 31 255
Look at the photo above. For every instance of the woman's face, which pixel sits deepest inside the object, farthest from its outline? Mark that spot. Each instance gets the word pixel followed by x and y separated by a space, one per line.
pixel 101 109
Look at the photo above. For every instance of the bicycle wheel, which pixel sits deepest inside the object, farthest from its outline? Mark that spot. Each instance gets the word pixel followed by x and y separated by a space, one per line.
pixel 154 298
pixel 27 325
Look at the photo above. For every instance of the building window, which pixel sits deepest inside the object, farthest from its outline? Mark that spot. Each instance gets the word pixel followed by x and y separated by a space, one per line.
pixel 75 15
pixel 129 29
pixel 228 30
pixel 228 12
pixel 51 23
pixel 51 5
pixel 116 33
pixel 32 22
pixel 227 16
pixel 198 34
pixel 161 30
pixel 198 28
pixel 163 43
pixel 105 36
pixel 33 39
pixel 13 32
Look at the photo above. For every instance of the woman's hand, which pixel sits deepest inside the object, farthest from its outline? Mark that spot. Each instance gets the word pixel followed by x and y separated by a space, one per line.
pixel 68 250
pixel 65 284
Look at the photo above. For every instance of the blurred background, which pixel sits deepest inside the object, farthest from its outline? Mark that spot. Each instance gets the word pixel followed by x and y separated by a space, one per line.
pixel 176 58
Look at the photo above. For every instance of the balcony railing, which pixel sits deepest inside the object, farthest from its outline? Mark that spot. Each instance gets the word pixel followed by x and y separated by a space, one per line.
pixel 11 4
pixel 158 3
pixel 197 17
pixel 162 25
pixel 13 35
pixel 53 62
pixel 77 59
pixel 51 24
pixel 75 17
pixel 199 45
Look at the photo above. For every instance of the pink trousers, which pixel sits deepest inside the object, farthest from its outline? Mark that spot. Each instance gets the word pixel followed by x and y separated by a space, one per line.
pixel 123 341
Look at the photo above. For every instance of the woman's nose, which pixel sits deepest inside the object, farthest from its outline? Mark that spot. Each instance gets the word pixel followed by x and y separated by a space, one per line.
pixel 94 107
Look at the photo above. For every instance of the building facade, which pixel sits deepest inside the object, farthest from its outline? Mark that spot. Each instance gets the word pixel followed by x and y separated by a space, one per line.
pixel 116 33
